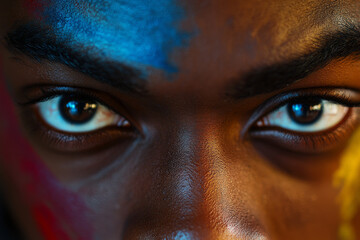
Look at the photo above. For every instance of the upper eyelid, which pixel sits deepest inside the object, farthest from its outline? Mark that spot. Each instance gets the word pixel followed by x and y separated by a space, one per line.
pixel 37 92
pixel 325 121
pixel 55 121
pixel 82 95
pixel 52 92
pixel 47 93
pixel 345 96
pixel 340 95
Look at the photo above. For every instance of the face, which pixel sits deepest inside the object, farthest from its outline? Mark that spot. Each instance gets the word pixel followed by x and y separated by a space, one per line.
pixel 177 119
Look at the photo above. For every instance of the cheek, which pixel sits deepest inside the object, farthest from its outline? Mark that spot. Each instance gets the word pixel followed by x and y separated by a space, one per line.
pixel 57 212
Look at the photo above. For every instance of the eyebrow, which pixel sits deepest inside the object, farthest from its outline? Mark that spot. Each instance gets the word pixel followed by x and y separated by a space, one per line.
pixel 337 45
pixel 39 43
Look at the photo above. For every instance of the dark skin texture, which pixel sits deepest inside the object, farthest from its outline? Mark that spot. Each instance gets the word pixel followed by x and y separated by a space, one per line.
pixel 187 168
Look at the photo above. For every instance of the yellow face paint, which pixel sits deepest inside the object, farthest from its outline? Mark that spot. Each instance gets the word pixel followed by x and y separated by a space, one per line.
pixel 347 178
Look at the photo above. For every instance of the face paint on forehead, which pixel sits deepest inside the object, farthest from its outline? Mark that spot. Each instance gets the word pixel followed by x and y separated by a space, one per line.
pixel 138 32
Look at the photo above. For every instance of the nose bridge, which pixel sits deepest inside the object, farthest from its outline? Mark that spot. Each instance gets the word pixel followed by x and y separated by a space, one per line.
pixel 182 196
pixel 189 189
pixel 198 155
pixel 191 171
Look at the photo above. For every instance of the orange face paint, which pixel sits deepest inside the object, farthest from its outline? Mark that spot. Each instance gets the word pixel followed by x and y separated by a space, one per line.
pixel 348 180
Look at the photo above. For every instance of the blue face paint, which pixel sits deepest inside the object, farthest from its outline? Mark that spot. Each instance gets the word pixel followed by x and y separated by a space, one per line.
pixel 137 32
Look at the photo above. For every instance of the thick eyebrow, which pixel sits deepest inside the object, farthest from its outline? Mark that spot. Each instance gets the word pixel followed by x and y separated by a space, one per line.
pixel 40 43
pixel 337 45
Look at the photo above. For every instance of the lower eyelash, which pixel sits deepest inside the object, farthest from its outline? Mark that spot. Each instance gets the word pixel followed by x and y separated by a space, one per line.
pixel 309 142
pixel 76 142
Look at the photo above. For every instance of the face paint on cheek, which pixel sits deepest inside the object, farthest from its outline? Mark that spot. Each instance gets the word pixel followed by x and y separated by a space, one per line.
pixel 347 179
pixel 138 32
pixel 58 213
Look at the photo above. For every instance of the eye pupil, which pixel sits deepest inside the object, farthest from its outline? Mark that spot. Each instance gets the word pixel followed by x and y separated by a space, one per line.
pixel 305 112
pixel 77 110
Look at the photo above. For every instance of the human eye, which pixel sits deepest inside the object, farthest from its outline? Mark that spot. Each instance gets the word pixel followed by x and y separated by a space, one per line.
pixel 78 114
pixel 309 120
pixel 306 115
pixel 74 120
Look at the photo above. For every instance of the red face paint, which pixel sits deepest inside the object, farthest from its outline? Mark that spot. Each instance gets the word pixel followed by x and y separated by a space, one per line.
pixel 35 7
pixel 32 5
pixel 59 213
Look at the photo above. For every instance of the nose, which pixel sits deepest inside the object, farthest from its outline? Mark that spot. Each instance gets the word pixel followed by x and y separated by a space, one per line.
pixel 190 193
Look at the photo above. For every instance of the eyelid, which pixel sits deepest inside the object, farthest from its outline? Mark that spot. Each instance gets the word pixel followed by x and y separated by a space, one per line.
pixel 310 143
pixel 66 142
pixel 344 96
pixel 102 117
pixel 36 93
pixel 62 142
pixel 40 93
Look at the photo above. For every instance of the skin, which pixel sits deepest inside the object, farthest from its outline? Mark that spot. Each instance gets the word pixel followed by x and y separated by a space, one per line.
pixel 187 172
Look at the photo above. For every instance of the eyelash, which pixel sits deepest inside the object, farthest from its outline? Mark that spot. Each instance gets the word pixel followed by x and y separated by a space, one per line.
pixel 306 142
pixel 73 142
pixel 315 141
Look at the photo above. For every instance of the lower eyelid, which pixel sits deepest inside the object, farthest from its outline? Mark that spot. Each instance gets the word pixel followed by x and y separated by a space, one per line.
pixel 280 118
pixel 47 137
pixel 309 142
pixel 58 141
pixel 49 112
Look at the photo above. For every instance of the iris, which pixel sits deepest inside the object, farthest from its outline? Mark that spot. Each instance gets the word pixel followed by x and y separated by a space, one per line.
pixel 77 110
pixel 306 112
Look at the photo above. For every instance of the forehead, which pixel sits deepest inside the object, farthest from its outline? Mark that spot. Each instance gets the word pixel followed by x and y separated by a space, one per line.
pixel 138 31
pixel 188 36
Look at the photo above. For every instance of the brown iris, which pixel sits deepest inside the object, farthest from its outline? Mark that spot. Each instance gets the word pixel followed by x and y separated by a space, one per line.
pixel 305 111
pixel 77 109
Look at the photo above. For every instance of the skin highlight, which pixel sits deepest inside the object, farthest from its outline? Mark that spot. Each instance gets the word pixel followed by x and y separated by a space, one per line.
pixel 186 171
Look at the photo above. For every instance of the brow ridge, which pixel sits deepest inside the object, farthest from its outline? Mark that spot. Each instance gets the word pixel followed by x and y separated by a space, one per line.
pixel 39 43
pixel 331 46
